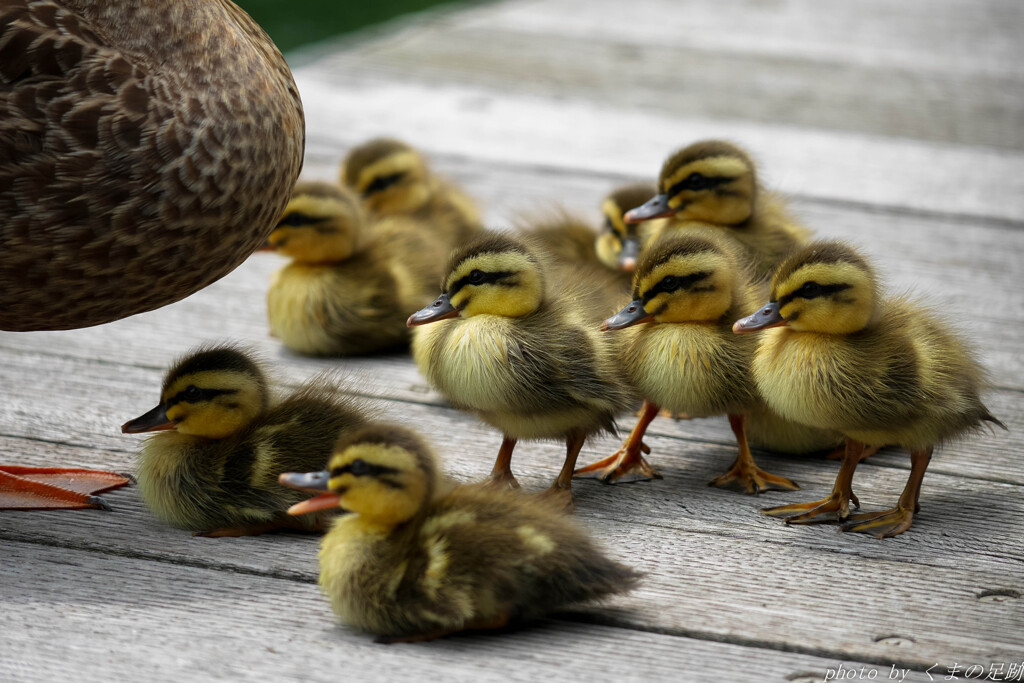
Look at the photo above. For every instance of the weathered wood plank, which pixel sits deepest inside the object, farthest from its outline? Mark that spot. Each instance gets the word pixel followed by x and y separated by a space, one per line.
pixel 675 73
pixel 83 615
pixel 503 126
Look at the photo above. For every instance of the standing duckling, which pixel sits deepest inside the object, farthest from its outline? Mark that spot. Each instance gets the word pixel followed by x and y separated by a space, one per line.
pixel 522 353
pixel 715 182
pixel 417 559
pixel 213 465
pixel 394 180
pixel 681 353
pixel 351 283
pixel 879 371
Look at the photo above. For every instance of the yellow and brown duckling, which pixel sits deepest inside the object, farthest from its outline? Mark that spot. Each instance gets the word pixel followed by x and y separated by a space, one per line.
pixel 520 351
pixel 715 182
pixel 416 558
pixel 681 354
pixel 878 370
pixel 221 443
pixel 393 179
pixel 352 282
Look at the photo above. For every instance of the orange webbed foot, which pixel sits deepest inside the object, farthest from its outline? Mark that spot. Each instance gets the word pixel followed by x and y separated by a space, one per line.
pixel 834 508
pixel 55 488
pixel 883 524
pixel 753 479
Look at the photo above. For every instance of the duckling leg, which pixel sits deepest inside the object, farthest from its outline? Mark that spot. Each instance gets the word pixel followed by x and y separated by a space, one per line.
pixel 898 519
pixel 744 470
pixel 501 473
pixel 53 488
pixel 838 451
pixel 837 505
pixel 626 464
pixel 561 489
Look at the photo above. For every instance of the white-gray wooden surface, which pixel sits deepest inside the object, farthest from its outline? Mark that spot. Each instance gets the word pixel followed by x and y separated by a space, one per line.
pixel 899 126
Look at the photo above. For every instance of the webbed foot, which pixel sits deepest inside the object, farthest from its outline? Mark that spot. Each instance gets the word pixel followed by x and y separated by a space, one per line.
pixel 752 478
pixel 834 508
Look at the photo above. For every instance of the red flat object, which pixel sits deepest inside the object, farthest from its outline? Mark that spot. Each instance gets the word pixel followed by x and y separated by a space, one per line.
pixel 55 488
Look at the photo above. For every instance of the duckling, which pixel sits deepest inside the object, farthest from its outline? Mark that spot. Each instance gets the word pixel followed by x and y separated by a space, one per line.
pixel 681 353
pixel 352 282
pixel 393 179
pixel 619 244
pixel 520 351
pixel 213 465
pixel 878 370
pixel 417 559
pixel 715 182
pixel 132 172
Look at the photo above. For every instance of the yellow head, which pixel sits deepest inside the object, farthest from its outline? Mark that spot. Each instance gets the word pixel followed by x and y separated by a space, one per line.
pixel 390 176
pixel 495 275
pixel 619 243
pixel 683 277
pixel 322 223
pixel 710 181
pixel 212 393
pixel 383 473
pixel 826 287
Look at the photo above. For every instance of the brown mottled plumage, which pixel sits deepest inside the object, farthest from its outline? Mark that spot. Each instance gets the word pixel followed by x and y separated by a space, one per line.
pixel 146 149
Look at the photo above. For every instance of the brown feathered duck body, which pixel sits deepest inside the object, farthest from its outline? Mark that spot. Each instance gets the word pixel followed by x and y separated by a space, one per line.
pixel 146 149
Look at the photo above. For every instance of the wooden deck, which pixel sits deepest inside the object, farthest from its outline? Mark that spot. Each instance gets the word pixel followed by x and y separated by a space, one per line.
pixel 899 126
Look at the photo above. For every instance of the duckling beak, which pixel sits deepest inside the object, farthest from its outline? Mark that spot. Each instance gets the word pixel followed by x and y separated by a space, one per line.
pixel 768 316
pixel 633 314
pixel 439 310
pixel 310 482
pixel 627 257
pixel 655 207
pixel 154 421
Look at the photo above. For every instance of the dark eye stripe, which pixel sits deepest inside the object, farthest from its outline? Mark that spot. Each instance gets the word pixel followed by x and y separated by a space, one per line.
pixel 366 470
pixel 681 282
pixel 704 183
pixel 382 183
pixel 823 290
pixel 487 279
pixel 298 219
pixel 202 395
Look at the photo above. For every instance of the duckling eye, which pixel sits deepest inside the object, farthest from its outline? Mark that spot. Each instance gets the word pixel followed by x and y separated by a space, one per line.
pixel 192 393
pixel 476 277
pixel 810 290
pixel 670 282
pixel 697 181
pixel 358 467
pixel 382 183
pixel 295 219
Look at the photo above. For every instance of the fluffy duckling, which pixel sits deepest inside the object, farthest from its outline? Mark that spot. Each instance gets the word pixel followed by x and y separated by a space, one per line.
pixel 521 352
pixel 418 559
pixel 681 353
pixel 213 465
pixel 619 243
pixel 351 284
pixel 394 179
pixel 878 370
pixel 715 182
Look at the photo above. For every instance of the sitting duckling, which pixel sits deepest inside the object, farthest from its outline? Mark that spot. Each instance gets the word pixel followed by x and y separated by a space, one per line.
pixel 417 559
pixel 213 466
pixel 880 371
pixel 394 180
pixel 351 284
pixel 716 182
pixel 682 355
pixel 520 351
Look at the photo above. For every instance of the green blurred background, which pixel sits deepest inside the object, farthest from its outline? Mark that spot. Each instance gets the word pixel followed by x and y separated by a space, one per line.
pixel 294 23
